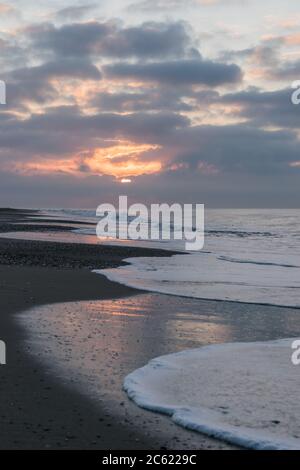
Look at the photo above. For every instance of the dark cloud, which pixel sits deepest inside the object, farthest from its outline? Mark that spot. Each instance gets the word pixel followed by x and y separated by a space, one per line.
pixel 148 100
pixel 82 69
pixel 142 127
pixel 178 72
pixel 65 130
pixel 71 40
pixel 34 83
pixel 236 148
pixel 110 39
pixel 150 40
pixel 265 107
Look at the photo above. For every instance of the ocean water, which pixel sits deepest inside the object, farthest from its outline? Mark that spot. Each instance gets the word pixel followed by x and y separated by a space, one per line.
pixel 249 256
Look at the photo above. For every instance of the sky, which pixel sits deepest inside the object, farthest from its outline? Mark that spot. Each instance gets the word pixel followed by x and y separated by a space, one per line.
pixel 161 100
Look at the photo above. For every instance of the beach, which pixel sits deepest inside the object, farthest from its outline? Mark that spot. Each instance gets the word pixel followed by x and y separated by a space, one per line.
pixel 37 411
pixel 73 336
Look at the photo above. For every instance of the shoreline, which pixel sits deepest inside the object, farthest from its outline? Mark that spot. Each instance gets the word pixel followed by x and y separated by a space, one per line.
pixel 32 416
pixel 89 347
pixel 37 274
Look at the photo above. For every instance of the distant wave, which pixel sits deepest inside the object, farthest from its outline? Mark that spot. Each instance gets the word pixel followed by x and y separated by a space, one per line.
pixel 262 263
pixel 239 233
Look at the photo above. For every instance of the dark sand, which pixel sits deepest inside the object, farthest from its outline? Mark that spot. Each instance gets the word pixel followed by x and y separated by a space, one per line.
pixel 35 411
pixel 68 255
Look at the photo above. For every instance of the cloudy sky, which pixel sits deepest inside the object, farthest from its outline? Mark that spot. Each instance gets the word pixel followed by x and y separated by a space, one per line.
pixel 162 100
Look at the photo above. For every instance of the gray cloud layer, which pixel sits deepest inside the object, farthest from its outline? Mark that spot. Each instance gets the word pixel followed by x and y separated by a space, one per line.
pixel 176 84
pixel 180 72
pixel 110 39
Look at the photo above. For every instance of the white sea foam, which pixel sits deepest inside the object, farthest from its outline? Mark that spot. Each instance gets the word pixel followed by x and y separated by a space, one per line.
pixel 243 393
pixel 205 276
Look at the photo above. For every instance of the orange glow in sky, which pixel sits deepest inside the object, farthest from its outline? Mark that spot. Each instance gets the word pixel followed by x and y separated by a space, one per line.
pixel 122 160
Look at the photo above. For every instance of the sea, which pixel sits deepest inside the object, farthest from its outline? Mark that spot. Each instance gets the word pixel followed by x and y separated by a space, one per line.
pixel 249 255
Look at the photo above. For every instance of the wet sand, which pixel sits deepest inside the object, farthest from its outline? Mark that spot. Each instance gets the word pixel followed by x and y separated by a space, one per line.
pixel 37 409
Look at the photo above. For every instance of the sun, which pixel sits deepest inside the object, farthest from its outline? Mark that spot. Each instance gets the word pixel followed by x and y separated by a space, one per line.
pixel 126 181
